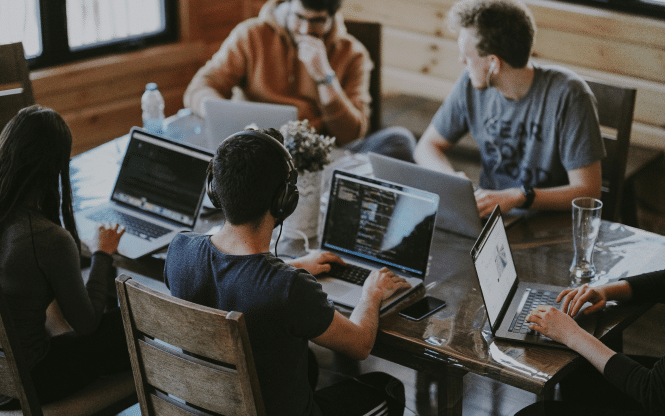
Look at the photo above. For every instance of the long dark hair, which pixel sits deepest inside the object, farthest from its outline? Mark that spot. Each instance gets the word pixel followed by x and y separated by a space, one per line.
pixel 35 147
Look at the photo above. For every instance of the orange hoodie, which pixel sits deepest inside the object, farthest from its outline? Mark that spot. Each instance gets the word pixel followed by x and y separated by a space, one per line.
pixel 260 58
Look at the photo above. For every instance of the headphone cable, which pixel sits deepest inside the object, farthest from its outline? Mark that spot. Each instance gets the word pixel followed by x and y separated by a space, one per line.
pixel 281 225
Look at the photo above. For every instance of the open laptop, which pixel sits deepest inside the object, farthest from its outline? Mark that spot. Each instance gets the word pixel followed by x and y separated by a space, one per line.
pixel 157 193
pixel 458 211
pixel 225 117
pixel 507 300
pixel 372 224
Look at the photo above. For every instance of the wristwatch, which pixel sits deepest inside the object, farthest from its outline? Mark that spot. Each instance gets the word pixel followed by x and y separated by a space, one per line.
pixel 529 194
pixel 327 80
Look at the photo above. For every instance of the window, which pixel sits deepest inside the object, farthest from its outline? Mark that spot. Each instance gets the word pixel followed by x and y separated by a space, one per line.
pixel 55 32
pixel 649 8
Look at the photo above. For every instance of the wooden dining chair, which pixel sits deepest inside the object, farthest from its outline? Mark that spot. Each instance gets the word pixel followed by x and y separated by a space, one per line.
pixel 15 85
pixel 105 397
pixel 187 358
pixel 616 106
pixel 369 34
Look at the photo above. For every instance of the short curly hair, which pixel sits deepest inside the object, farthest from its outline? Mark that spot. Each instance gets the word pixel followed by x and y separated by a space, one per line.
pixel 505 28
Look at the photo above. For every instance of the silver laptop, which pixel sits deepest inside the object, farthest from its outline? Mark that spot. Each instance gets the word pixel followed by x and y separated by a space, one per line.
pixel 507 300
pixel 372 224
pixel 458 211
pixel 225 117
pixel 157 193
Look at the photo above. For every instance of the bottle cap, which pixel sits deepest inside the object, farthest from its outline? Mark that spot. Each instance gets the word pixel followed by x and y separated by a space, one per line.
pixel 151 86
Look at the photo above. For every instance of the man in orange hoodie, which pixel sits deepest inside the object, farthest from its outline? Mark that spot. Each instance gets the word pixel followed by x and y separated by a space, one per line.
pixel 298 52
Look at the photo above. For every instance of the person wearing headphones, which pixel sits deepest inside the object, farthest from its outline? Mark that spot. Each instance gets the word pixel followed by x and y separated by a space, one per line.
pixel 40 263
pixel 536 126
pixel 253 180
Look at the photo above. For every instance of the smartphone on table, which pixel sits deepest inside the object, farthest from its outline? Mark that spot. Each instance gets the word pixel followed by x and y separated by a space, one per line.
pixel 423 308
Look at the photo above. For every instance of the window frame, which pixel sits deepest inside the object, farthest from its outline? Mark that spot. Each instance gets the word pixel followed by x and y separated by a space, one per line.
pixel 55 46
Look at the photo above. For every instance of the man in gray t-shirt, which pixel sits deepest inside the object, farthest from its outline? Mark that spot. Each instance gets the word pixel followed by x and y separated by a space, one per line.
pixel 536 126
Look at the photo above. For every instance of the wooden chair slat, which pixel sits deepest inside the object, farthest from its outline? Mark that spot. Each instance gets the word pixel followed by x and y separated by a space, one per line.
pixel 15 81
pixel 200 387
pixel 172 328
pixel 191 367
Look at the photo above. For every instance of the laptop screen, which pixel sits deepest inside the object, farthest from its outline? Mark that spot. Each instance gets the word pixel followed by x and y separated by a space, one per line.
pixel 380 221
pixel 494 266
pixel 162 178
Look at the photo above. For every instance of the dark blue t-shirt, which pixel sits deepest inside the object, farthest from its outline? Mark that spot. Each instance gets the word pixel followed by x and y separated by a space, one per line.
pixel 284 307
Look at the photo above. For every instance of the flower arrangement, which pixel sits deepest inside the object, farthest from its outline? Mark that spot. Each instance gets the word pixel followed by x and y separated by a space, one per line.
pixel 310 150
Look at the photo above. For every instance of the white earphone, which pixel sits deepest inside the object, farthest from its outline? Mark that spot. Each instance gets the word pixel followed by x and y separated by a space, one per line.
pixel 489 74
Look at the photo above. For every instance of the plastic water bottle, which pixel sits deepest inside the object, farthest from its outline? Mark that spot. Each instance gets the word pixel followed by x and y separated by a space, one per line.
pixel 152 105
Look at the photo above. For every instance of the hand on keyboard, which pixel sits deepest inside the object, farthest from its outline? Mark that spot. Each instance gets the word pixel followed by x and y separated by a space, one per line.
pixel 316 262
pixel 107 238
pixel 574 299
pixel 383 283
pixel 553 323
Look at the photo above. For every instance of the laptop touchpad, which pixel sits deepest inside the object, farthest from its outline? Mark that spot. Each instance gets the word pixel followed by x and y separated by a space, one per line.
pixel 335 288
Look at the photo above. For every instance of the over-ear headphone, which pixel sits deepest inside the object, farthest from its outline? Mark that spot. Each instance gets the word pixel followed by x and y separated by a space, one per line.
pixel 286 196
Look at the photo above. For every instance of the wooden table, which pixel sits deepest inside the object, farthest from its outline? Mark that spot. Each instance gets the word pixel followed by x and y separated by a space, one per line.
pixel 457 339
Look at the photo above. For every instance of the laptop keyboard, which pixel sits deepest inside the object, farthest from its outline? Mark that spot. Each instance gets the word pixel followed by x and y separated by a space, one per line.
pixel 133 225
pixel 534 299
pixel 349 273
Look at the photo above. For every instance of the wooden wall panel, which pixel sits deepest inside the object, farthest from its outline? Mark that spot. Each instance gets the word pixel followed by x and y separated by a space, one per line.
pixel 101 98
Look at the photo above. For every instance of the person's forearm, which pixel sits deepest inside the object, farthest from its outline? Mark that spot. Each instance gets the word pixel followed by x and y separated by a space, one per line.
pixel 590 348
pixel 620 291
pixel 561 197
pixel 195 96
pixel 430 157
pixel 342 119
pixel 366 316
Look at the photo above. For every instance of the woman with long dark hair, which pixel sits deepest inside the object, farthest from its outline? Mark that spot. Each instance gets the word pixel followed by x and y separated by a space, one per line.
pixel 40 261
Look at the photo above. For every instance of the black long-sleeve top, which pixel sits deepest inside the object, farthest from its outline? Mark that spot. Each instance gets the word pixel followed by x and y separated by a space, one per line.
pixel 647 386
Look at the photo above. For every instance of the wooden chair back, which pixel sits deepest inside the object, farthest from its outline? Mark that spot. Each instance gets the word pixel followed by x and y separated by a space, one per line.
pixel 15 85
pixel 616 106
pixel 369 34
pixel 107 396
pixel 187 358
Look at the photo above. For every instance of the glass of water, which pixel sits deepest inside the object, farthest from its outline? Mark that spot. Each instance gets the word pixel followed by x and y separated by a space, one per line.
pixel 586 223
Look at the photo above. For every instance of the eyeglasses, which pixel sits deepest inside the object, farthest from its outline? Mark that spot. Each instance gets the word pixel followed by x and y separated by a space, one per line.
pixel 316 23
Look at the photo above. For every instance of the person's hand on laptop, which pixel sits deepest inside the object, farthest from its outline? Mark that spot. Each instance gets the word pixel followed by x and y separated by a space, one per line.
pixel 574 299
pixel 507 199
pixel 554 324
pixel 383 283
pixel 316 262
pixel 107 238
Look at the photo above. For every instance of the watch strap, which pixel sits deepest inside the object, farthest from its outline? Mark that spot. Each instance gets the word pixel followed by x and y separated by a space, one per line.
pixel 529 194
pixel 327 80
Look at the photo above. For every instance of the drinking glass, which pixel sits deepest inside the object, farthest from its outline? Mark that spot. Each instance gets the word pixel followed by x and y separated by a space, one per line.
pixel 586 223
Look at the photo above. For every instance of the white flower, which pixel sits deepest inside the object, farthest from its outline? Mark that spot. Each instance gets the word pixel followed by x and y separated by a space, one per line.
pixel 310 150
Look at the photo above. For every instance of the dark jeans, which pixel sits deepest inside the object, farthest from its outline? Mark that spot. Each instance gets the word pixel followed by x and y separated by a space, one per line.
pixel 74 361
pixel 397 142
pixel 358 396
pixel 585 392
